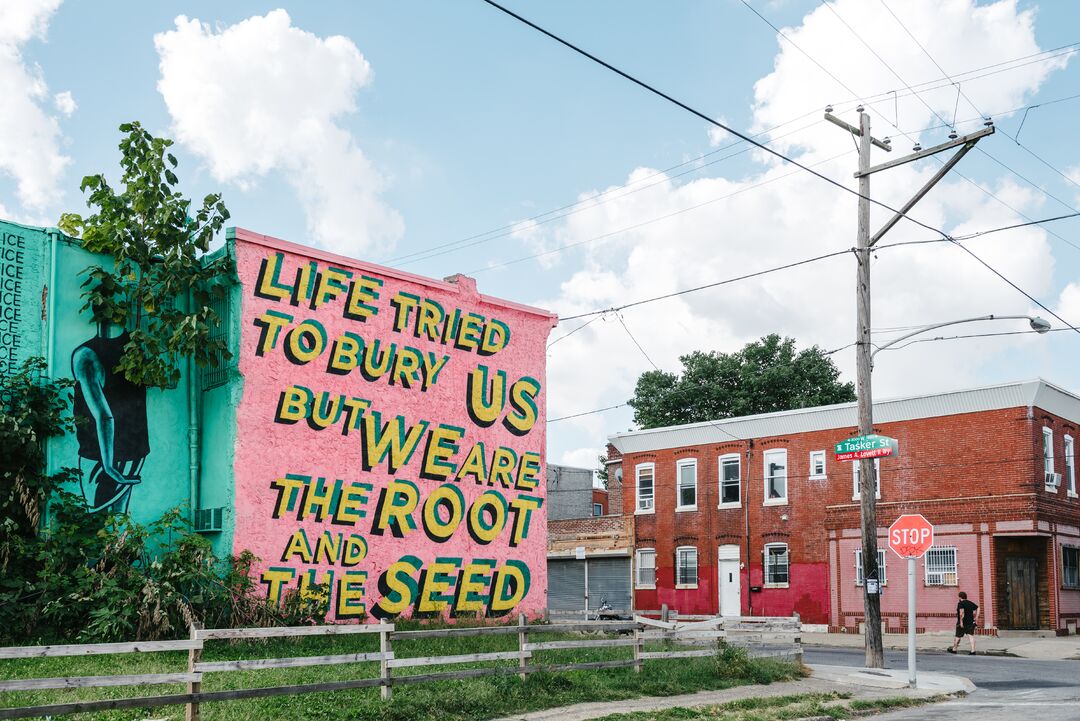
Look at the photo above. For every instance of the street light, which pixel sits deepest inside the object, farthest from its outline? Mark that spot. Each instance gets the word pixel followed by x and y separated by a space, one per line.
pixel 1039 325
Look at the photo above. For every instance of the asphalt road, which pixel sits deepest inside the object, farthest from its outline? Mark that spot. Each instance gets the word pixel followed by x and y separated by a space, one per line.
pixel 1008 688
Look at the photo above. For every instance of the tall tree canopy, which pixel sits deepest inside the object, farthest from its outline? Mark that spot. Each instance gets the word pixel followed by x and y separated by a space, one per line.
pixel 766 375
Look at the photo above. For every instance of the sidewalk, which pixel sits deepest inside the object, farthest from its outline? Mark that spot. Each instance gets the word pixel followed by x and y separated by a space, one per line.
pixel 862 684
pixel 1046 649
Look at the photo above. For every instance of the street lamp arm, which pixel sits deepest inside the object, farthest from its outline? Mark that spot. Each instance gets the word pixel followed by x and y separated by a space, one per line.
pixel 1037 323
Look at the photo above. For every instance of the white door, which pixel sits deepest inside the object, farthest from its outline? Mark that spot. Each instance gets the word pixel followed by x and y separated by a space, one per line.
pixel 730 597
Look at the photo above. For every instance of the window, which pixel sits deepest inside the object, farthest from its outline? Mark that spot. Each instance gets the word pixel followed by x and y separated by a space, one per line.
pixel 686 480
pixel 1070 465
pixel 216 373
pixel 730 480
pixel 1070 566
pixel 1049 478
pixel 855 478
pixel 686 567
pixel 645 473
pixel 817 464
pixel 598 509
pixel 940 566
pixel 646 568
pixel 775 477
pixel 776 565
pixel 882 578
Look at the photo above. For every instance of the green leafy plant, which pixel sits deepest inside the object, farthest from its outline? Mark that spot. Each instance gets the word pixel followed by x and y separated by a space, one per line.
pixel 158 248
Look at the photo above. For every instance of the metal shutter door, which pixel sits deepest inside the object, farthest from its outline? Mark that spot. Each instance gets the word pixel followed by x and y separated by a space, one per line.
pixel 609 578
pixel 566 585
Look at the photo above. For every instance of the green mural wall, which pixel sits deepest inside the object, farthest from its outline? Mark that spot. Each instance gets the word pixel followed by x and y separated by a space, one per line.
pixel 23 259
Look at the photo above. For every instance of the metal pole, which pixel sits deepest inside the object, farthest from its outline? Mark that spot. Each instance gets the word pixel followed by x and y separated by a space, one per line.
pixel 867 481
pixel 911 621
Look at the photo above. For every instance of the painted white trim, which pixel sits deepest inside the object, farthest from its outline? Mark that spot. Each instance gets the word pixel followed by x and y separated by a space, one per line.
pixel 637 567
pixel 720 480
pixel 765 565
pixel 855 474
pixel 824 467
pixel 696 571
pixel 679 465
pixel 774 453
pixel 638 510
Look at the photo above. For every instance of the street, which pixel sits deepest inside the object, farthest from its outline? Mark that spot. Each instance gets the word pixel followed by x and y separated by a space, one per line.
pixel 1008 688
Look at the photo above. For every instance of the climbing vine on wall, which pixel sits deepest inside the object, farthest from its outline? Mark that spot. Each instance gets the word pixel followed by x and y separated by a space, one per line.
pixel 158 242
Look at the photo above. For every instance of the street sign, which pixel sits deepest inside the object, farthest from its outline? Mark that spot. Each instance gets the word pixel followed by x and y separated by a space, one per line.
pixel 910 536
pixel 871 446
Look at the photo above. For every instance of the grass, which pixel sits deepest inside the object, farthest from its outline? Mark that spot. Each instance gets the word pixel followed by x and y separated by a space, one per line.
pixel 776 708
pixel 463 700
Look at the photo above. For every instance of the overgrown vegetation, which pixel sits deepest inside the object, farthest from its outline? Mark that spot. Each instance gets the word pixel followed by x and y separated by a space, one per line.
pixel 70 575
pixel 776 708
pixel 461 700
pixel 157 241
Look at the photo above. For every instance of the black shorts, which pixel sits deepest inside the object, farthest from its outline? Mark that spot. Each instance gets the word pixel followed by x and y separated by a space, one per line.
pixel 961 631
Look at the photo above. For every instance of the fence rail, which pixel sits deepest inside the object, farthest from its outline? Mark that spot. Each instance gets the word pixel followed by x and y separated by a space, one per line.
pixel 780 633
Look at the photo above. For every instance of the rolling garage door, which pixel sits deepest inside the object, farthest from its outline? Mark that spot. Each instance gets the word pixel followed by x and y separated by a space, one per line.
pixel 609 578
pixel 566 585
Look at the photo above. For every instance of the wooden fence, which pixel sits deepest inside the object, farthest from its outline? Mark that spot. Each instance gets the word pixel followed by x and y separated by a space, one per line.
pixel 777 633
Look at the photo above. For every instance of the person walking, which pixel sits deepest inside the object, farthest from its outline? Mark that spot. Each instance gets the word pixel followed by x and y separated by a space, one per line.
pixel 967 616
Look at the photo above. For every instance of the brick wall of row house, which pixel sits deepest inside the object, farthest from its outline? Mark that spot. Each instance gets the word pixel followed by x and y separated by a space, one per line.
pixel 977 476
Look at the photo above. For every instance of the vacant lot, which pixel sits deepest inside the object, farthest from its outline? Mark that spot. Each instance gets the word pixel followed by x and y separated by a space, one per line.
pixel 471 699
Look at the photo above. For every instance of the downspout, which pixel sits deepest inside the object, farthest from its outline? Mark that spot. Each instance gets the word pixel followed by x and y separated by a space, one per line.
pixel 193 430
pixel 48 335
pixel 746 521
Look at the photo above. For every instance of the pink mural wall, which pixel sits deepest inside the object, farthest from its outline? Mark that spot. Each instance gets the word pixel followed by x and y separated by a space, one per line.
pixel 390 437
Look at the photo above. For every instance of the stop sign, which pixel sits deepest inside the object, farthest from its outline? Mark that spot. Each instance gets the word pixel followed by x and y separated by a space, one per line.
pixel 910 536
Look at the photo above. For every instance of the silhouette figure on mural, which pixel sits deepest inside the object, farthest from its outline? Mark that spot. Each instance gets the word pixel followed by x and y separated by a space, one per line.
pixel 110 421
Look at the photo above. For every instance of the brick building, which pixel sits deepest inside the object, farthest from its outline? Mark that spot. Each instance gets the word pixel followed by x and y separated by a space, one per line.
pixel 753 515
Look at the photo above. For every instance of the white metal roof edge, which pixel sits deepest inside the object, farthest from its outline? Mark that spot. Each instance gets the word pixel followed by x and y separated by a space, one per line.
pixel 1034 392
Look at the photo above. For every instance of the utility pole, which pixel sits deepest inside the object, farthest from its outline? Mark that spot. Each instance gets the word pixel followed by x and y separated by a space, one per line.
pixel 875 657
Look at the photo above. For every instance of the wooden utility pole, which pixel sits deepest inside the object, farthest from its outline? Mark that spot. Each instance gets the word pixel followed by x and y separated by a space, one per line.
pixel 875 656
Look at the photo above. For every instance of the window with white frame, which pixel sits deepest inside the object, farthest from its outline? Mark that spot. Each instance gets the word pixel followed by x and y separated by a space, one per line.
pixel 645 475
pixel 775 477
pixel 817 464
pixel 940 566
pixel 855 478
pixel 646 568
pixel 1070 465
pixel 1048 460
pixel 686 482
pixel 685 566
pixel 730 480
pixel 598 509
pixel 776 565
pixel 1070 566
pixel 882 577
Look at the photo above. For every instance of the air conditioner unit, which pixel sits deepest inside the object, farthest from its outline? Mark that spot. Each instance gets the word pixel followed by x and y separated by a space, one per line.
pixel 1053 479
pixel 209 520
pixel 645 504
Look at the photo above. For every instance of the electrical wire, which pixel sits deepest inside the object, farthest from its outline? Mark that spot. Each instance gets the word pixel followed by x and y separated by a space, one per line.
pixel 707 118
pixel 586 413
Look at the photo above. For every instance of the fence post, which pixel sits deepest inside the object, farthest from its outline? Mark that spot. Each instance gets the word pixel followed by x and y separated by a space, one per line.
pixel 191 711
pixel 523 638
pixel 639 646
pixel 663 612
pixel 384 665
pixel 798 639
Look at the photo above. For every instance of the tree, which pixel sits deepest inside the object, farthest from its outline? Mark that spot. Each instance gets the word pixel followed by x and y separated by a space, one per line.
pixel 766 375
pixel 157 247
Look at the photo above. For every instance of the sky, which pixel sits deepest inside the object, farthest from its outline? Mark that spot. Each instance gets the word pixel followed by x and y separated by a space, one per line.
pixel 446 137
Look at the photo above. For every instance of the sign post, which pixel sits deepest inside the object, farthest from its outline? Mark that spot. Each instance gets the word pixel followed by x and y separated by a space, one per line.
pixel 910 537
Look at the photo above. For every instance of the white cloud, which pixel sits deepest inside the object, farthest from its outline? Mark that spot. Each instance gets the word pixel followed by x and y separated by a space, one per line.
pixel 717 135
pixel 792 215
pixel 262 96
pixel 65 103
pixel 29 136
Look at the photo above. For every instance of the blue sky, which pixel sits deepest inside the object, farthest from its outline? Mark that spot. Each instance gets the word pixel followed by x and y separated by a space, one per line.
pixel 440 121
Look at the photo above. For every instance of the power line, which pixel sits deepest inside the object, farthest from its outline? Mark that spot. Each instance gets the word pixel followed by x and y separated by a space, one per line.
pixel 586 413
pixel 703 116
pixel 935 339
pixel 635 226
pixel 635 340
pixel 718 283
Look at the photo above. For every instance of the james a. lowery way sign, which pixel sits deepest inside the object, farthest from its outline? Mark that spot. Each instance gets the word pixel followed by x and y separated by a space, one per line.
pixel 910 536
pixel 872 446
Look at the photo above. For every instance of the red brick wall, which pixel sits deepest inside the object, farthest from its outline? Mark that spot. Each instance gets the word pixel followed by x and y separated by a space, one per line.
pixel 976 468
pixel 599 495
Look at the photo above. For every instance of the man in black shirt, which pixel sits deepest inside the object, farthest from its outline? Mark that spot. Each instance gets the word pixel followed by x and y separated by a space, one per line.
pixel 967 614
